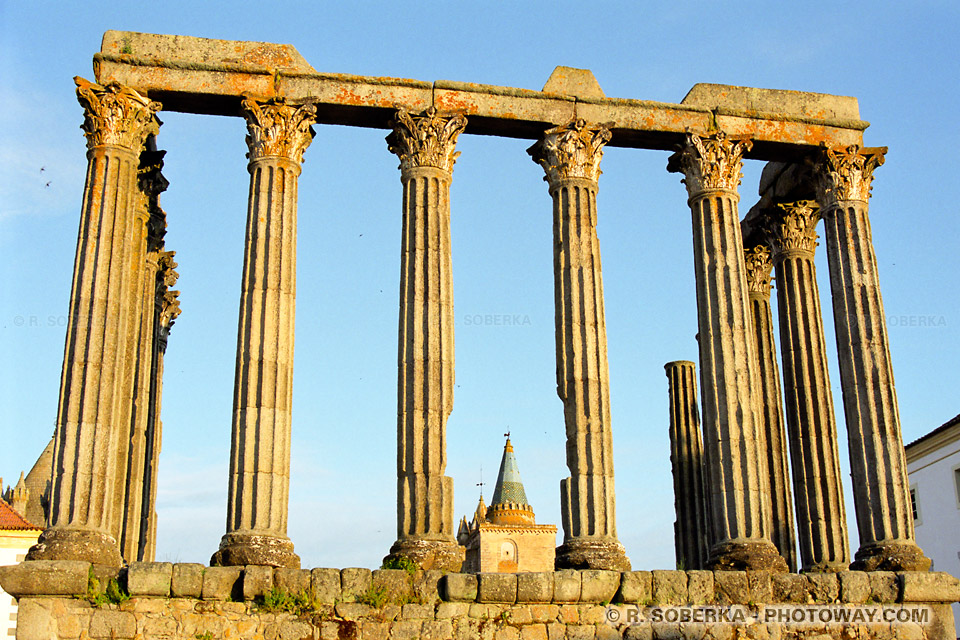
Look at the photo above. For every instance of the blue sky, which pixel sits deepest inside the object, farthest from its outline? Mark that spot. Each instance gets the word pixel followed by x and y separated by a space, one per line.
pixel 900 63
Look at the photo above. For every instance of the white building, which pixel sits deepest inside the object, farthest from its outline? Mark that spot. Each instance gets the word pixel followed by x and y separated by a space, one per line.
pixel 933 465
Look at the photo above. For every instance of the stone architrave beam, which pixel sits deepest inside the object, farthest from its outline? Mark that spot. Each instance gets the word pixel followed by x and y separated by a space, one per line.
pixel 93 415
pixel 877 459
pixel 200 75
pixel 426 147
pixel 570 155
pixel 739 492
pixel 277 136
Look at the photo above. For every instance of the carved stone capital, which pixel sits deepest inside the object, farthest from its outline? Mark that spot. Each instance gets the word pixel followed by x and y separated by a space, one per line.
pixel 167 299
pixel 151 184
pixel 759 265
pixel 710 163
pixel 116 115
pixel 277 129
pixel 793 228
pixel 572 150
pixel 846 173
pixel 427 140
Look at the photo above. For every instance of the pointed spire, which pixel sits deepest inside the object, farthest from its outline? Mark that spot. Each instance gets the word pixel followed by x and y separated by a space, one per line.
pixel 509 505
pixel 20 495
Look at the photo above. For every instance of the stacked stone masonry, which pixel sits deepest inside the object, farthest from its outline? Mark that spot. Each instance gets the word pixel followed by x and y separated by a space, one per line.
pixel 189 601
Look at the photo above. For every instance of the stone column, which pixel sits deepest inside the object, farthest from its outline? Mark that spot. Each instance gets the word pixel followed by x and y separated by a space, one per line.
pixel 153 220
pixel 739 493
pixel 166 310
pixel 774 463
pixel 425 145
pixel 277 136
pixel 686 458
pixel 821 516
pixel 87 467
pixel 877 460
pixel 570 155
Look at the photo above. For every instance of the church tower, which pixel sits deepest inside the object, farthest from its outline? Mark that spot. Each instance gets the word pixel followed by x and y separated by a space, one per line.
pixel 505 537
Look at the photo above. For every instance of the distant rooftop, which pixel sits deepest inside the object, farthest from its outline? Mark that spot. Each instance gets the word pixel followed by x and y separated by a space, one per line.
pixel 10 520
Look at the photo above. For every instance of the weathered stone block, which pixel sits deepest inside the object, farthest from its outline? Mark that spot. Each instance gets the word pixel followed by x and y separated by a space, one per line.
pixel 566 586
pixel 159 627
pixel 222 583
pixel 295 630
pixel 824 587
pixel 535 587
pixel 638 632
pixel 591 613
pixel 406 630
pixel 113 625
pixel 397 583
pixel 520 615
pixel 257 581
pixel 417 611
pixel 389 612
pixel 884 586
pixel 149 578
pixel 920 586
pixel 636 587
pixel 292 580
pixel 544 612
pixel 186 580
pixel 568 614
pixel 507 633
pixel 581 632
pixel 700 587
pixel 605 632
pixel 354 581
pixel 459 587
pixel 497 587
pixel 854 587
pixel 790 588
pixel 669 587
pixel 425 585
pixel 533 632
pixel 731 587
pixel 599 586
pixel 437 630
pixel 353 610
pixel 452 610
pixel 556 631
pixel 45 577
pixel 34 621
pixel 325 584
pixel 761 586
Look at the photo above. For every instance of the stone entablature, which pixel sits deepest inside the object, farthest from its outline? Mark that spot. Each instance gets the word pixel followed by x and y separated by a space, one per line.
pixel 174 601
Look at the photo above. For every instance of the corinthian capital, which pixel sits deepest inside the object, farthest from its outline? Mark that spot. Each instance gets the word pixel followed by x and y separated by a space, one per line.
pixel 759 265
pixel 793 228
pixel 710 163
pixel 846 173
pixel 427 140
pixel 572 150
pixel 275 128
pixel 116 115
pixel 167 299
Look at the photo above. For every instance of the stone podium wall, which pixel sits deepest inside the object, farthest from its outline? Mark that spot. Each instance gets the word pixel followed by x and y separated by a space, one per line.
pixel 192 602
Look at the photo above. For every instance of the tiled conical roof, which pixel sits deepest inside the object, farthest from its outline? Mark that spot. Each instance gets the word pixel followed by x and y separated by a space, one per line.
pixel 509 486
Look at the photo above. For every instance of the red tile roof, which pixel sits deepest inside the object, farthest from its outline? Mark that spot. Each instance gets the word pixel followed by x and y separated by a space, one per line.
pixel 10 520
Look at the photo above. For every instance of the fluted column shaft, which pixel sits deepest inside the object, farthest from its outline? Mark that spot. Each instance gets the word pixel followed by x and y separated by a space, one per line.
pixel 278 135
pixel 877 459
pixel 426 147
pixel 821 516
pixel 87 468
pixel 570 155
pixel 739 493
pixel 686 458
pixel 770 410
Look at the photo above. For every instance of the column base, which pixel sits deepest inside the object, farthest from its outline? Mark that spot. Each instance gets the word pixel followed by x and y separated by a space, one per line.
pixel 898 555
pixel 752 555
pixel 240 549
pixel 87 545
pixel 592 553
pixel 445 555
